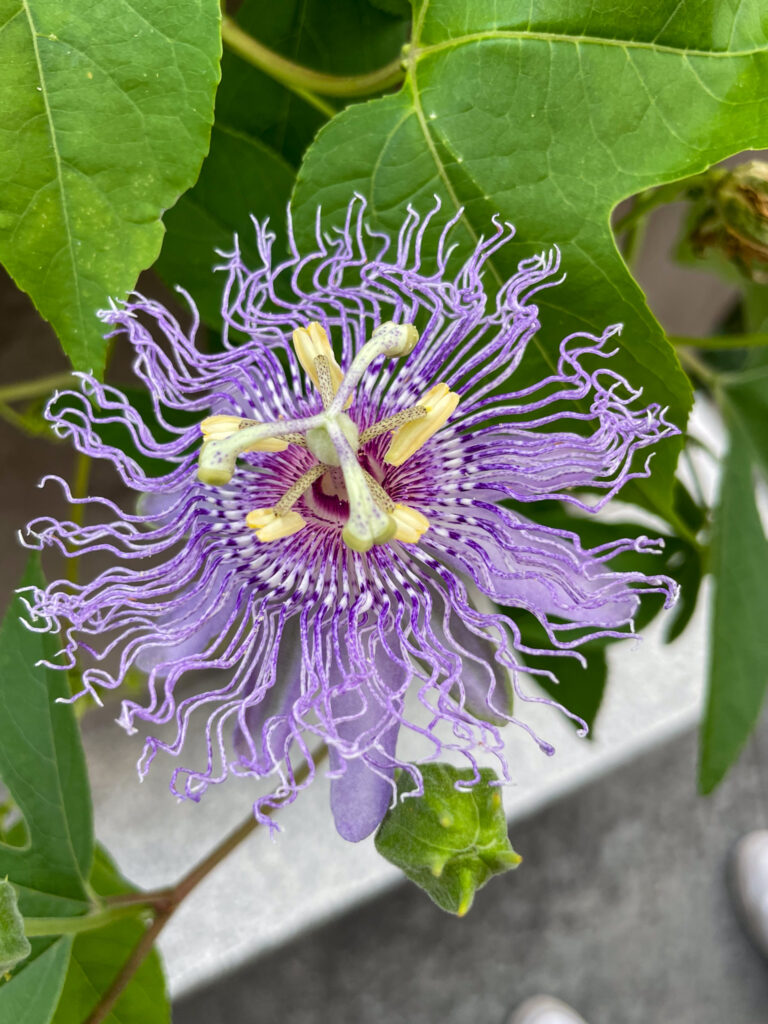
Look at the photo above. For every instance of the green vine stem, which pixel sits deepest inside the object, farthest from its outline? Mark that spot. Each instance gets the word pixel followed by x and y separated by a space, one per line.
pixel 34 388
pixel 647 201
pixel 163 902
pixel 79 490
pixel 305 81
pixel 37 926
pixel 721 341
pixel 696 367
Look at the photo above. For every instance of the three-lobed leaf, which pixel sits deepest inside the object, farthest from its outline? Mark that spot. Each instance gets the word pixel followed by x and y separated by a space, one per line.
pixel 549 114
pixel 53 866
pixel 105 114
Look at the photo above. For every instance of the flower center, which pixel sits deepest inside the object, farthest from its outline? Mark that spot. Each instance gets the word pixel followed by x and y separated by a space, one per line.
pixel 335 442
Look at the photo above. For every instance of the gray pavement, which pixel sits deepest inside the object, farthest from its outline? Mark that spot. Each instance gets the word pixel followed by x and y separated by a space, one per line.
pixel 620 908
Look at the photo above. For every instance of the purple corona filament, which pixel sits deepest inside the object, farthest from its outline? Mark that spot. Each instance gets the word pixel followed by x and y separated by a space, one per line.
pixel 360 502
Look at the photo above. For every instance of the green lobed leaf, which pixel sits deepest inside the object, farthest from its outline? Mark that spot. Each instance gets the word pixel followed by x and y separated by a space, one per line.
pixel 738 639
pixel 450 842
pixel 98 956
pixel 106 111
pixel 14 944
pixel 261 132
pixel 42 764
pixel 549 114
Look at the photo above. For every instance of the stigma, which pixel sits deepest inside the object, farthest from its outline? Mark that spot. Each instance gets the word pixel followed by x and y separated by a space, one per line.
pixel 335 442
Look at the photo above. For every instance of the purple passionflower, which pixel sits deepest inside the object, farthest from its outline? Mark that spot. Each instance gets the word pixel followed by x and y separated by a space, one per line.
pixel 356 507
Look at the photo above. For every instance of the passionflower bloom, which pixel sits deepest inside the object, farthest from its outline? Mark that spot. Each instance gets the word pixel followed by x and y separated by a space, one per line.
pixel 358 505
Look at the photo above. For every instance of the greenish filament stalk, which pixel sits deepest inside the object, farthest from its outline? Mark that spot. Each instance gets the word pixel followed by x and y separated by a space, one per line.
pixel 293 493
pixel 399 419
pixel 324 381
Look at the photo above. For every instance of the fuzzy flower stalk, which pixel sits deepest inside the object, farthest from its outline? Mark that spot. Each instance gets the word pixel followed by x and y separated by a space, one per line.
pixel 350 497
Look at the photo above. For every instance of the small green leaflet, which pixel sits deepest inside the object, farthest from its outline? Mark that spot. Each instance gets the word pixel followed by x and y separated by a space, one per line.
pixel 42 764
pixel 32 994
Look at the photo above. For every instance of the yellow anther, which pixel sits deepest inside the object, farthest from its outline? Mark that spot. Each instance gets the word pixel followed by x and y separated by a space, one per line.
pixel 411 525
pixel 310 342
pixel 439 402
pixel 217 428
pixel 270 526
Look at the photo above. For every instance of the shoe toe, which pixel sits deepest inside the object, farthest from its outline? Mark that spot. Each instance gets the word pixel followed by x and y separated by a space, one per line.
pixel 750 883
pixel 545 1010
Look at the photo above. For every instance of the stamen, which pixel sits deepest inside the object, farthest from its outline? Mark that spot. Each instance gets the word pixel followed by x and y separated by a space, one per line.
pixel 380 496
pixel 411 524
pixel 439 403
pixel 310 342
pixel 271 526
pixel 324 380
pixel 217 428
pixel 392 422
pixel 296 490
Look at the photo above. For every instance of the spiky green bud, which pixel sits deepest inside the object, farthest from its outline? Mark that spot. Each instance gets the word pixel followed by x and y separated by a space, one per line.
pixel 14 944
pixel 450 841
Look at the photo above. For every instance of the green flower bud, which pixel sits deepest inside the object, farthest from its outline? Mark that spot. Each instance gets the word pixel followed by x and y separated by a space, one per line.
pixel 733 217
pixel 450 841
pixel 14 944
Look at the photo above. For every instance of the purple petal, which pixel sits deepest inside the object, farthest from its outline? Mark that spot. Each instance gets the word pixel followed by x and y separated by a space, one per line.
pixel 362 779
